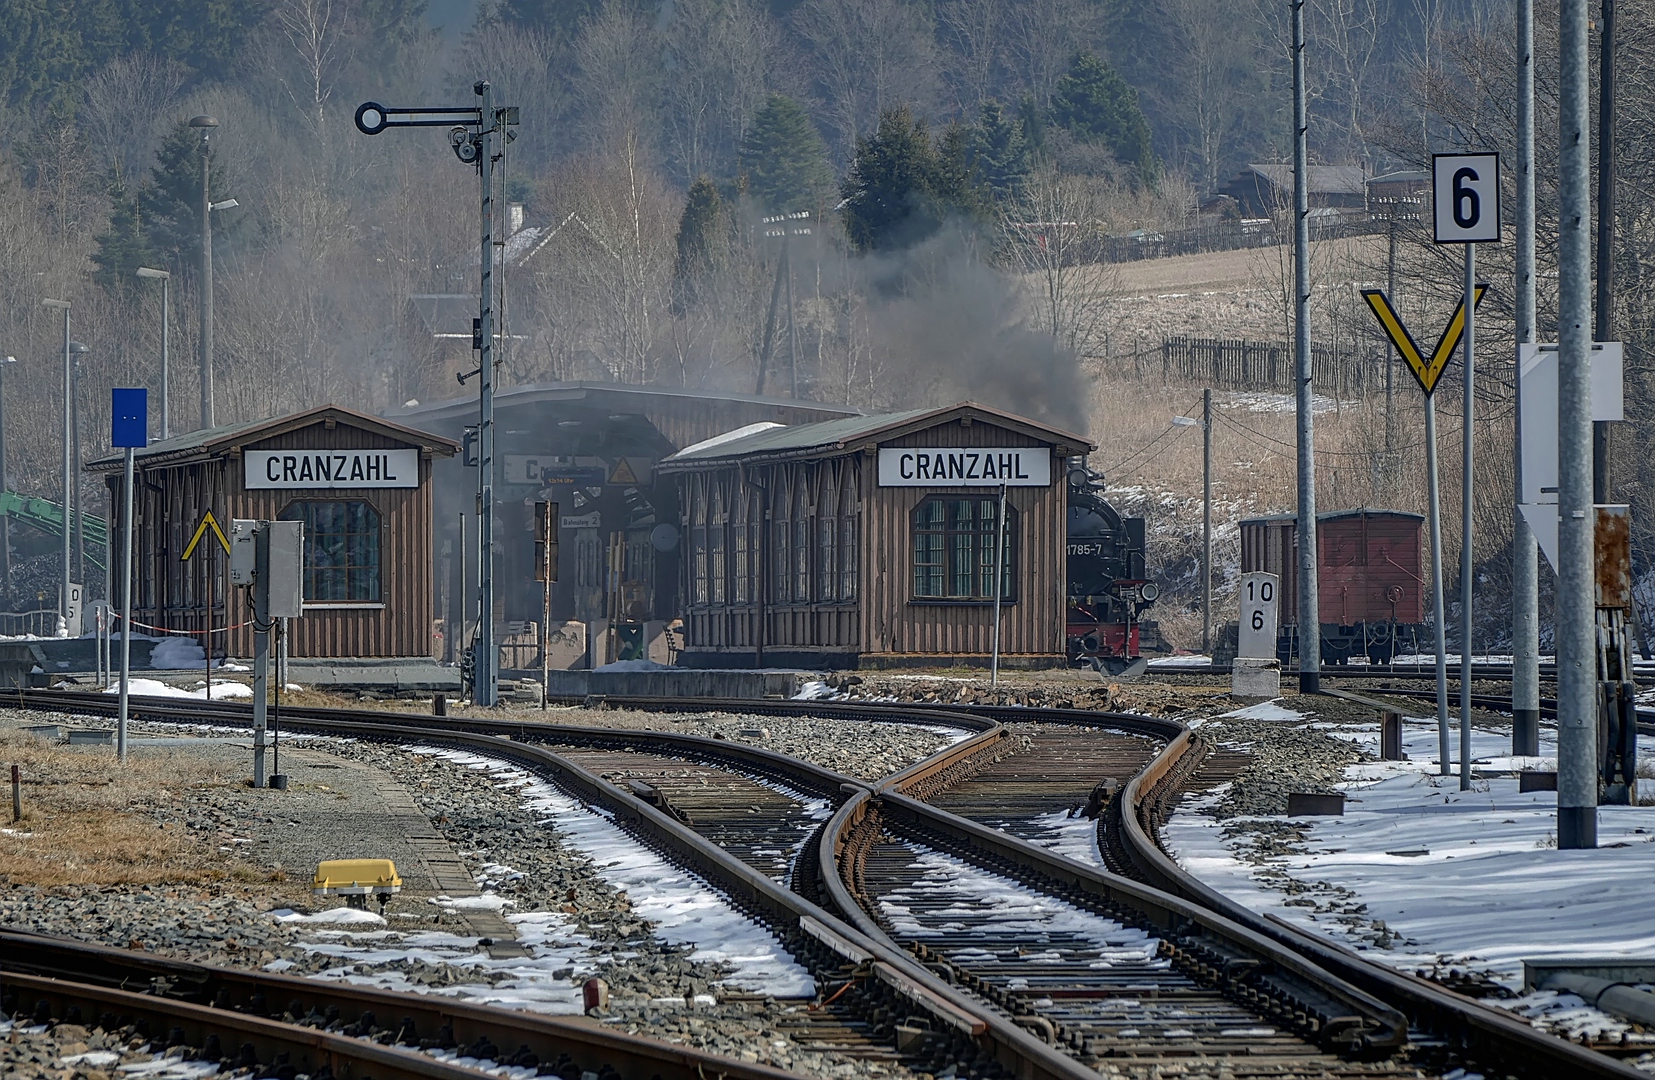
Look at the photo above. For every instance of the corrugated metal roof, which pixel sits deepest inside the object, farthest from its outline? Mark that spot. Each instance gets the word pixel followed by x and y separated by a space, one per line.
pixel 204 440
pixel 799 437
pixel 830 434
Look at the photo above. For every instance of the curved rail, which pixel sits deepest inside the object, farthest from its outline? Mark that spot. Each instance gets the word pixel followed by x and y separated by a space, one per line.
pixel 373 1032
pixel 1488 1035
pixel 1352 1000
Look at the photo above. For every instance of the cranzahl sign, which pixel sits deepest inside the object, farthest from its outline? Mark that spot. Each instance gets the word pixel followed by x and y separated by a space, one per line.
pixel 331 468
pixel 965 466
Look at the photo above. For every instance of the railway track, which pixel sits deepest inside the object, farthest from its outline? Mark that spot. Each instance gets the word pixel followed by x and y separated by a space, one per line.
pixel 1194 982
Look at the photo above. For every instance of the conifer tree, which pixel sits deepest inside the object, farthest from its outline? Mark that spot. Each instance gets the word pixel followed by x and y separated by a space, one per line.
pixel 901 188
pixel 703 242
pixel 1096 105
pixel 784 157
pixel 1000 154
pixel 125 245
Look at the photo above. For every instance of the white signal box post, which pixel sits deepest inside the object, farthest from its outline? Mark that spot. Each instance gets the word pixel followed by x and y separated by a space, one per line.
pixel 1256 672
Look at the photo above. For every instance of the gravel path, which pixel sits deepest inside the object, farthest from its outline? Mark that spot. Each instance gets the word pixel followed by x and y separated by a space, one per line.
pixel 575 924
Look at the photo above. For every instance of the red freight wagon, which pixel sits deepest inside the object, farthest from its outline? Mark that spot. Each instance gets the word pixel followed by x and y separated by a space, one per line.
pixel 1371 580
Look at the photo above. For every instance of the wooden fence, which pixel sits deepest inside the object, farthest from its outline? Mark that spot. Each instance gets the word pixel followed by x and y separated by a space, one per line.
pixel 1344 373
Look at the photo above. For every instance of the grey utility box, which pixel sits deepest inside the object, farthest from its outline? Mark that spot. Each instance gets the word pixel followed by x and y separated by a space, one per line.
pixel 287 568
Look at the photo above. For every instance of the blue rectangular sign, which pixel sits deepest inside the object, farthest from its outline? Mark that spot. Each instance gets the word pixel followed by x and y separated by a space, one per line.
pixel 128 417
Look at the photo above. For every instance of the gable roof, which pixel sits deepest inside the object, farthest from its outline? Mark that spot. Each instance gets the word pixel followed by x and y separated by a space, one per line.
pixel 210 442
pixel 833 436
pixel 629 395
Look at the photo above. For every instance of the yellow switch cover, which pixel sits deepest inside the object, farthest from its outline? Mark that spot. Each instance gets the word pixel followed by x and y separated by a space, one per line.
pixel 356 874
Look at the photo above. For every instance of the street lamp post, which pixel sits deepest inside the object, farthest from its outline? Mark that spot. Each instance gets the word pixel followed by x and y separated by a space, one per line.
pixel 207 124
pixel 63 589
pixel 166 319
pixel 5 519
pixel 76 351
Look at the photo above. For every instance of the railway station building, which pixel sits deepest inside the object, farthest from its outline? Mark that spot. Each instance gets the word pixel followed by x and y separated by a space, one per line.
pixel 869 541
pixel 592 448
pixel 361 485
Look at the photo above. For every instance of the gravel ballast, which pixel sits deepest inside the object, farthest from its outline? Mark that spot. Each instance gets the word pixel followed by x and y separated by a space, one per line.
pixel 574 923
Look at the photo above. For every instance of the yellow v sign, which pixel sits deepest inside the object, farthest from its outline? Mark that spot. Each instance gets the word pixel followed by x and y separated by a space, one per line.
pixel 201 530
pixel 1426 369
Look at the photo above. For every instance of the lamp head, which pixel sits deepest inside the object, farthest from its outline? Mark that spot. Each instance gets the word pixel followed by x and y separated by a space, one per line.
pixel 203 121
pixel 61 304
pixel 151 272
pixel 79 348
pixel 11 360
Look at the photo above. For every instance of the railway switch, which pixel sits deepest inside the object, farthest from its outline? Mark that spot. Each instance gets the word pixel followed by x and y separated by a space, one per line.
pixel 356 880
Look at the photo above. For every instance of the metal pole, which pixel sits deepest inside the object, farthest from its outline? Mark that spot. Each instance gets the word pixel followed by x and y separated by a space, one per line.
pixel 68 489
pixel 126 606
pixel 1467 551
pixel 487 654
pixel 166 322
pixel 261 648
pixel 5 519
pixel 75 459
pixel 1605 308
pixel 1577 773
pixel 999 583
pixel 1310 629
pixel 546 610
pixel 1207 521
pixel 1439 615
pixel 1525 554
pixel 206 291
pixel 792 327
pixel 1390 355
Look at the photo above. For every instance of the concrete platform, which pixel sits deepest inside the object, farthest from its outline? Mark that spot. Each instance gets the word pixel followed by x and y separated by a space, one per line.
pixel 385 675
pixel 670 682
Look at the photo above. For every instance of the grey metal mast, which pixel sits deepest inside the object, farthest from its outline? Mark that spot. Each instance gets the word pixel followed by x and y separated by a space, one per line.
pixel 1525 554
pixel 1310 630
pixel 487 654
pixel 1577 774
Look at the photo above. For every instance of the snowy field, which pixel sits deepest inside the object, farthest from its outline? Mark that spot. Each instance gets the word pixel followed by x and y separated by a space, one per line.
pixel 1419 874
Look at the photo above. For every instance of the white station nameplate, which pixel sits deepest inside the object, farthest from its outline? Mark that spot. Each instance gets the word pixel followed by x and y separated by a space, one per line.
pixel 312 469
pixel 965 466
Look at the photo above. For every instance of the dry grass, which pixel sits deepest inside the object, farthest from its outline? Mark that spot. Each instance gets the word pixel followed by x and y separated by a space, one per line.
pixel 88 820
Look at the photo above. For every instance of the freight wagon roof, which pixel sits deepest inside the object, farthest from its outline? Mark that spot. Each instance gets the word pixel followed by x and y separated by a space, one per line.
pixel 1335 515
pixel 836 435
pixel 209 442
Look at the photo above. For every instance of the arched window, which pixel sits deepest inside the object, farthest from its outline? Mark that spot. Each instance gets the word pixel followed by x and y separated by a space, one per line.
pixel 341 550
pixel 953 549
pixel 698 541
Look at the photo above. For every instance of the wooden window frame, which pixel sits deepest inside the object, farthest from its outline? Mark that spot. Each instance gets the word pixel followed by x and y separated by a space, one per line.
pixel 954 540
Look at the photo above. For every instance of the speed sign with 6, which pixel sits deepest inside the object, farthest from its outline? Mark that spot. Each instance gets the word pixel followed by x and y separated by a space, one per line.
pixel 1465 191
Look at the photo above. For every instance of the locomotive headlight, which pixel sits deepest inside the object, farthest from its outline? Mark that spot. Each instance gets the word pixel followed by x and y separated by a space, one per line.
pixel 1150 591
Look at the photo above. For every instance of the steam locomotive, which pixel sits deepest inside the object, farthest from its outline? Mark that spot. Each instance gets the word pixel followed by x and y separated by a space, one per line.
pixel 1107 588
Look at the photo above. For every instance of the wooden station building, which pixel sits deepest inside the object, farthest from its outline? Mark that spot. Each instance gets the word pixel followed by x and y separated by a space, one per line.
pixel 870 540
pixel 361 485
pixel 592 448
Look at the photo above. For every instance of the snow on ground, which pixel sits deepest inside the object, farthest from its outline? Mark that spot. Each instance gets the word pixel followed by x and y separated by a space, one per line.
pixel 682 908
pixel 1472 879
pixel 1072 837
pixel 1194 660
pixel 173 653
pixel 951 890
pixel 222 689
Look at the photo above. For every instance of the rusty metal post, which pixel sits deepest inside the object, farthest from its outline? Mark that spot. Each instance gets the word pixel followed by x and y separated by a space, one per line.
pixel 17 793
pixel 1617 694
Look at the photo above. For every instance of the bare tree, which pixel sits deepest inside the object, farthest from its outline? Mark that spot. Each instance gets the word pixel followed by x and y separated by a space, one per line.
pixel 972 30
pixel 128 105
pixel 1052 238
pixel 618 78
pixel 867 56
pixel 721 53
pixel 1043 38
pixel 315 34
pixel 1208 96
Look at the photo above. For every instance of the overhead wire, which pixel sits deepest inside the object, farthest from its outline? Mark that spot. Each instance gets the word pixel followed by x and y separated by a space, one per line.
pixel 1142 451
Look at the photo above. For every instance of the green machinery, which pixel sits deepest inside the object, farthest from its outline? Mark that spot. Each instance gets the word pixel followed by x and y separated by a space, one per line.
pixel 47 516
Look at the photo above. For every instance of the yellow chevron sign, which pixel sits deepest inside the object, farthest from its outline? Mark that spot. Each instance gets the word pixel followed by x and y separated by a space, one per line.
pixel 1426 370
pixel 208 521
